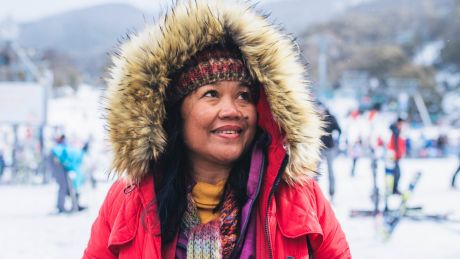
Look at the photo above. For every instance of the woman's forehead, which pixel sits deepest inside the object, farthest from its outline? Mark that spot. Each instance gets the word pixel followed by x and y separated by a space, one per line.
pixel 230 83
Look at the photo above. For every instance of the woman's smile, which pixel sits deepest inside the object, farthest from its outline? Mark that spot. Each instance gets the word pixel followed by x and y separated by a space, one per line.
pixel 228 132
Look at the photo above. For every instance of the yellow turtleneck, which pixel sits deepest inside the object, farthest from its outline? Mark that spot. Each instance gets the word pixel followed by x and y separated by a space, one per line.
pixel 206 197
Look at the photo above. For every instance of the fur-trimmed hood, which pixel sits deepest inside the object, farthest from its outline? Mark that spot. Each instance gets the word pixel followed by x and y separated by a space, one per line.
pixel 140 76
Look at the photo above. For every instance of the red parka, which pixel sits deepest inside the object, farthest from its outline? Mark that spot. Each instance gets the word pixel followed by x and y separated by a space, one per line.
pixel 127 228
pixel 290 212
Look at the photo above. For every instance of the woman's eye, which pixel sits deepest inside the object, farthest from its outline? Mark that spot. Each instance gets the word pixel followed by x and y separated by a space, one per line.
pixel 245 96
pixel 210 93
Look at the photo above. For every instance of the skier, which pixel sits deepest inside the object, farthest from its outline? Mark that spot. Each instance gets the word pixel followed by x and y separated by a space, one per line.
pixel 356 151
pixel 330 150
pixel 58 152
pixel 396 150
pixel 73 166
pixel 355 132
pixel 65 162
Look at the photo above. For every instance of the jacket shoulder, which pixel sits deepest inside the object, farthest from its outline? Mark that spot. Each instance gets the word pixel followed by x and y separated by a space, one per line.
pixel 114 198
pixel 117 189
pixel 303 210
pixel 102 229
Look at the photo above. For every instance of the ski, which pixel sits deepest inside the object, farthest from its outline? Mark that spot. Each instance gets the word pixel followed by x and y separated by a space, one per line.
pixel 435 217
pixel 363 213
pixel 393 217
pixel 375 194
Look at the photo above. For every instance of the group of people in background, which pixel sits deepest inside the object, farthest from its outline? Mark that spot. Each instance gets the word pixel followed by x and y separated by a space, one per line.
pixel 390 146
pixel 67 162
pixel 373 144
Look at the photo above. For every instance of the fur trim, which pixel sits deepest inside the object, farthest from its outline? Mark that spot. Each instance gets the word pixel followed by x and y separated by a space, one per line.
pixel 139 78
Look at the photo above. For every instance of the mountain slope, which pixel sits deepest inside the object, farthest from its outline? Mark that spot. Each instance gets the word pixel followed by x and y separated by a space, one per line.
pixel 85 35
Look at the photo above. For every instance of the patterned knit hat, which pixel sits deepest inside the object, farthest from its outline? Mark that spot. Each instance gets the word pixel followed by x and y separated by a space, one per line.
pixel 212 64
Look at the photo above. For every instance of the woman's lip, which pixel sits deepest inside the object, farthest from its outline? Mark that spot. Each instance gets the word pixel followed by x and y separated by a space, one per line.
pixel 232 134
pixel 227 128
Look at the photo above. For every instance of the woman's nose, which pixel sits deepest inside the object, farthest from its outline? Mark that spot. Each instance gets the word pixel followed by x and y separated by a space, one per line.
pixel 229 110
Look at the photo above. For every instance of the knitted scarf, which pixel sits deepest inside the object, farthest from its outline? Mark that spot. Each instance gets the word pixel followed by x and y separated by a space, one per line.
pixel 215 239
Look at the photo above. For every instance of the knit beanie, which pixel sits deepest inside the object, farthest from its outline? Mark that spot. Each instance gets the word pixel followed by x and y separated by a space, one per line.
pixel 212 64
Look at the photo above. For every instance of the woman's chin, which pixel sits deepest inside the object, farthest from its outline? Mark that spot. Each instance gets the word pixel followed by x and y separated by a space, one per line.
pixel 227 156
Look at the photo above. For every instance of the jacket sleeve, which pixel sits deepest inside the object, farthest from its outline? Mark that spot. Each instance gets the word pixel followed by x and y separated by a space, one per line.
pixel 100 231
pixel 334 243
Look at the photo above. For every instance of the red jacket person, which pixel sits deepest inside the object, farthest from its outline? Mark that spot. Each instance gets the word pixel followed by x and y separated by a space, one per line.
pixel 216 139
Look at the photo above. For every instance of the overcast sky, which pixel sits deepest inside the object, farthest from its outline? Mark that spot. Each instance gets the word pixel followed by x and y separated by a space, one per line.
pixel 29 10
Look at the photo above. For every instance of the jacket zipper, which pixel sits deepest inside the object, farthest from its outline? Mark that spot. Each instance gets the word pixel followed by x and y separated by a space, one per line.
pixel 243 229
pixel 270 196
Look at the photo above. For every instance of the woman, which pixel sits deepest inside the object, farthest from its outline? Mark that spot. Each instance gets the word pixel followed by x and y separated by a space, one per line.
pixel 216 135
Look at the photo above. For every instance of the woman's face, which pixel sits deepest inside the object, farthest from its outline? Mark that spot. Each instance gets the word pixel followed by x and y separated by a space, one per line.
pixel 219 122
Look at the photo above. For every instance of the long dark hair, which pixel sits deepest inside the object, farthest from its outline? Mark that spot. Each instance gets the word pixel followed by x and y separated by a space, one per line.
pixel 171 177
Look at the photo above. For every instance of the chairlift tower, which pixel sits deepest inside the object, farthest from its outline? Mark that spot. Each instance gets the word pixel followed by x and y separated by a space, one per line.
pixel 406 89
pixel 9 30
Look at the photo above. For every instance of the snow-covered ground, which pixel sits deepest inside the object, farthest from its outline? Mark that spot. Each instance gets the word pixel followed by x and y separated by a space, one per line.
pixel 411 239
pixel 29 230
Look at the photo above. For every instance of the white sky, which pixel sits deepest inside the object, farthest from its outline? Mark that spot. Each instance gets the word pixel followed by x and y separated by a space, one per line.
pixel 29 10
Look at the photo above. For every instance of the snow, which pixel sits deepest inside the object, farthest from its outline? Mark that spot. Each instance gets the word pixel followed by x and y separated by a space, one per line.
pixel 29 230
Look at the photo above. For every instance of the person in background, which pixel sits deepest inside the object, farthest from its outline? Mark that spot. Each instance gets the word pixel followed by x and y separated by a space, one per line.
pixel 58 154
pixel 90 163
pixel 73 165
pixel 396 148
pixel 65 163
pixel 330 140
pixel 409 147
pixel 354 137
pixel 216 140
pixel 356 152
pixel 441 145
pixel 2 163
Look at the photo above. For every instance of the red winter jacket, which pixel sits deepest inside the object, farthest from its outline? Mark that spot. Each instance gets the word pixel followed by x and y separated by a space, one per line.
pixel 285 216
pixel 120 232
